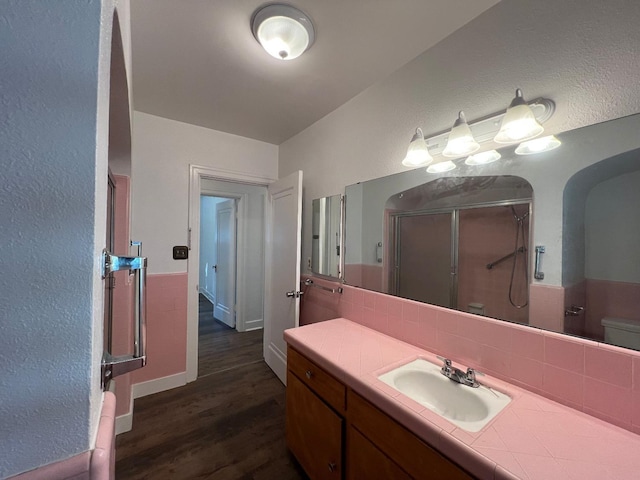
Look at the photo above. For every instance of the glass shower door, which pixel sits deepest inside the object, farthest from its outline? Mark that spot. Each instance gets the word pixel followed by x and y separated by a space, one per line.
pixel 425 263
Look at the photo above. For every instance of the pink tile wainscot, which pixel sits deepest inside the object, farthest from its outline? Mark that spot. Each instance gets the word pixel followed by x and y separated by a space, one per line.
pixel 166 327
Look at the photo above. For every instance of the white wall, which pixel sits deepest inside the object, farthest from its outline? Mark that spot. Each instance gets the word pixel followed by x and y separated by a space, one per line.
pixel 163 149
pixel 53 136
pixel 583 55
pixel 612 225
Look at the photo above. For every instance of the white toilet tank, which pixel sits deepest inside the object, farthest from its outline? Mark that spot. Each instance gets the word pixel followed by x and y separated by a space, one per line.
pixel 622 332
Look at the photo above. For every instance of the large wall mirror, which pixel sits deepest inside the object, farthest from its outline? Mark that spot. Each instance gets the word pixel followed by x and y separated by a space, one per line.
pixel 466 239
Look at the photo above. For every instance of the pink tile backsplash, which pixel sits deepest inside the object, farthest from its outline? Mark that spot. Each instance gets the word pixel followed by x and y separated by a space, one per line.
pixel 528 343
pixel 563 385
pixel 528 371
pixel 608 366
pixel 556 366
pixel 565 354
pixel 614 402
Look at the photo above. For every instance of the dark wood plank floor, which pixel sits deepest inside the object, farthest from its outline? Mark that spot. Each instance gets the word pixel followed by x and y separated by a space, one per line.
pixel 227 425
pixel 221 347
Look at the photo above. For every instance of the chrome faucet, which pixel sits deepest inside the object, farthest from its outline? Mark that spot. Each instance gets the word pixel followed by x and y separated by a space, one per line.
pixel 467 378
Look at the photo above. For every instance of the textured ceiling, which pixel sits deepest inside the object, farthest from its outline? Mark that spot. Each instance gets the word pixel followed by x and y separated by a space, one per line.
pixel 196 61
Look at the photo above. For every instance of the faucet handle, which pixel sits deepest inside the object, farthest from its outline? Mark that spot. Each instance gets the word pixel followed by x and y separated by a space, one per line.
pixel 446 367
pixel 447 362
pixel 471 376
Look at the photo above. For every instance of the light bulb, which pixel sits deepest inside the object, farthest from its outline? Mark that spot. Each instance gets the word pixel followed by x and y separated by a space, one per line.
pixel 460 141
pixel 441 167
pixel 519 122
pixel 417 153
pixel 483 158
pixel 538 145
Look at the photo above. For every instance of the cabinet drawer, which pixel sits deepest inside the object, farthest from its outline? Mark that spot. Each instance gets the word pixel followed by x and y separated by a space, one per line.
pixel 416 457
pixel 327 387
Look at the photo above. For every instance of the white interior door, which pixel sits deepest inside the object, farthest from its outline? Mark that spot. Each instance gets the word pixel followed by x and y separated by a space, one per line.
pixel 225 268
pixel 282 269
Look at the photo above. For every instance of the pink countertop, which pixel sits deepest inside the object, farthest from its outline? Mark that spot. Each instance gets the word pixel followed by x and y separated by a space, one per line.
pixel 532 438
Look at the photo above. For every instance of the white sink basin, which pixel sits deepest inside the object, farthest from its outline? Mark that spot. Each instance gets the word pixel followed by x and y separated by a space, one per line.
pixel 466 407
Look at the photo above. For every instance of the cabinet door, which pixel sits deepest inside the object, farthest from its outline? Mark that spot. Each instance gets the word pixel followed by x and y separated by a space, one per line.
pixel 314 432
pixel 417 458
pixel 365 461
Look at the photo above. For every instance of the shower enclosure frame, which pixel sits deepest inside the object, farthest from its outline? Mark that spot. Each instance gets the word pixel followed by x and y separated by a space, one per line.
pixel 394 247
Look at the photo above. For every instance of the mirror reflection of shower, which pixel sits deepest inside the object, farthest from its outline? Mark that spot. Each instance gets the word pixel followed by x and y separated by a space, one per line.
pixel 518 258
pixel 441 257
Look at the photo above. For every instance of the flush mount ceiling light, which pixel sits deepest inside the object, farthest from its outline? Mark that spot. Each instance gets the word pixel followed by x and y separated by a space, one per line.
pixel 417 153
pixel 483 158
pixel 283 31
pixel 441 167
pixel 460 141
pixel 539 145
pixel 519 122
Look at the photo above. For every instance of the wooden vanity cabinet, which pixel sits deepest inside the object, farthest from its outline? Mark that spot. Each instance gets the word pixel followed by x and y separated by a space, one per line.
pixel 331 430
pixel 411 457
pixel 315 425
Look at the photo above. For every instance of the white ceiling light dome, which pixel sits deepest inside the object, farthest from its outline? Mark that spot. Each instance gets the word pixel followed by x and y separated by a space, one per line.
pixel 283 31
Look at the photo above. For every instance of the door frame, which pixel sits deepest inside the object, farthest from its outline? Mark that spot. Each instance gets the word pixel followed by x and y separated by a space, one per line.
pixel 197 173
pixel 241 200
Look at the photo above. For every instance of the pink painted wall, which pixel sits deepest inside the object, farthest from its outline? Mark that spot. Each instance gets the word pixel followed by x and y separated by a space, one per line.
pixel 576 295
pixel 546 307
pixel 572 371
pixel 609 299
pixel 166 327
pixel 369 276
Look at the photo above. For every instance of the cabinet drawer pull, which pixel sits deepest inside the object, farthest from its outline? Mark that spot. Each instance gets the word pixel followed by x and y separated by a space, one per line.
pixel 309 374
pixel 332 467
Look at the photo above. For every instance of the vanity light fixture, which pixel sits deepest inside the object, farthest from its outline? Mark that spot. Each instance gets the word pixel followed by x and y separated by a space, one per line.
pixel 519 122
pixel 283 31
pixel 538 145
pixel 483 130
pixel 483 158
pixel 417 153
pixel 460 141
pixel 441 167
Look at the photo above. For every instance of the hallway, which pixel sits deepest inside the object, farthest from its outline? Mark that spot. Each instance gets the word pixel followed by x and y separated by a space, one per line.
pixel 227 425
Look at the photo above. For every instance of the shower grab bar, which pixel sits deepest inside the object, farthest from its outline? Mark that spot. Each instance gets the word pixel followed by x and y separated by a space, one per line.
pixel 538 275
pixel 308 281
pixel 506 257
pixel 113 366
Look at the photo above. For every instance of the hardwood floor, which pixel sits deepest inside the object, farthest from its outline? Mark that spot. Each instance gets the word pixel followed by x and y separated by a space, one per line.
pixel 221 347
pixel 227 425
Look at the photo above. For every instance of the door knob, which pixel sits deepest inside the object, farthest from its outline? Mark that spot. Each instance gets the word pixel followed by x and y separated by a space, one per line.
pixel 215 268
pixel 294 294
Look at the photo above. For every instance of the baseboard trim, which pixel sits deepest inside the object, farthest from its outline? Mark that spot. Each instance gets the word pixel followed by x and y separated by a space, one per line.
pixel 124 423
pixel 256 324
pixel 209 296
pixel 158 385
